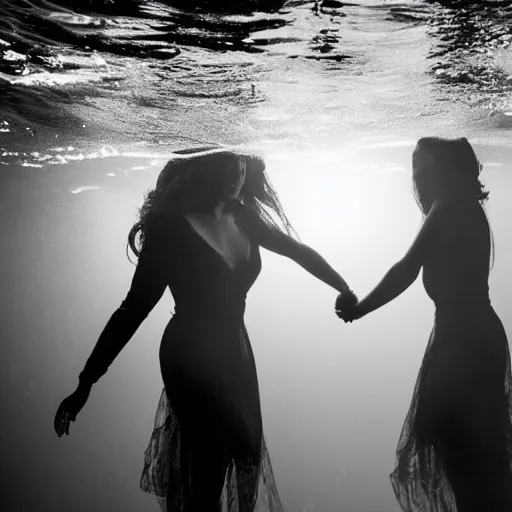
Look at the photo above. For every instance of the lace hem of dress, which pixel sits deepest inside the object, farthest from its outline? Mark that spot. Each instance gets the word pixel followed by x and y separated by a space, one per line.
pixel 420 481
pixel 162 470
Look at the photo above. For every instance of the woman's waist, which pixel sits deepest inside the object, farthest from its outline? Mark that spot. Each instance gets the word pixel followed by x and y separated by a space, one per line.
pixel 215 321
pixel 464 302
pixel 211 309
pixel 192 337
pixel 467 323
pixel 466 316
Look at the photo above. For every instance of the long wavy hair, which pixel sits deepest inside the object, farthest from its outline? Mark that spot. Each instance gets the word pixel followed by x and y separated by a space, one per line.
pixel 455 170
pixel 195 181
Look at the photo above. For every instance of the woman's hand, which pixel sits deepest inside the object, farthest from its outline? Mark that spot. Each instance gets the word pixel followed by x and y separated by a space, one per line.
pixel 69 408
pixel 346 306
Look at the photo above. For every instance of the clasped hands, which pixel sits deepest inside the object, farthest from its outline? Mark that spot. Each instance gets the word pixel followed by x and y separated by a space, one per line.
pixel 346 306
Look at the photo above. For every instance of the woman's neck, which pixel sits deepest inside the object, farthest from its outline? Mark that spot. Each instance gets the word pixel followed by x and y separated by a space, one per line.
pixel 219 211
pixel 216 214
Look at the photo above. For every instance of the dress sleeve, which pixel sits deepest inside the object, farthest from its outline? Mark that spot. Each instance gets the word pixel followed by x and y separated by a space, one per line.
pixel 148 285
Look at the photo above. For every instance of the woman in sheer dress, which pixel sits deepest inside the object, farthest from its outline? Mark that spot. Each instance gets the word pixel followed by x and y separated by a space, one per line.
pixel 455 448
pixel 199 233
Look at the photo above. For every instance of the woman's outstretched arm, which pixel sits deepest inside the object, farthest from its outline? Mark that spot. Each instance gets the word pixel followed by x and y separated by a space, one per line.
pixel 147 287
pixel 403 273
pixel 282 244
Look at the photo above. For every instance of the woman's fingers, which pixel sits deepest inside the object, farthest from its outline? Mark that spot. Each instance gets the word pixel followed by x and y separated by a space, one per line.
pixel 56 421
pixel 65 422
pixel 61 423
pixel 59 418
pixel 66 426
pixel 344 316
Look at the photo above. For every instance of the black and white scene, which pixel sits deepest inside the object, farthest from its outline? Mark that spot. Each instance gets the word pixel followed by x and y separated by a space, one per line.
pixel 256 255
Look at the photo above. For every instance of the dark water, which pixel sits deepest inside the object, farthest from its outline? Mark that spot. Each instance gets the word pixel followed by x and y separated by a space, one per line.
pixel 93 100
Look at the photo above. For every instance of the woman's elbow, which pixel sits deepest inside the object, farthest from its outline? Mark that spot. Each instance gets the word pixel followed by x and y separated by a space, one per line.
pixel 137 306
pixel 406 271
pixel 300 252
pixel 286 246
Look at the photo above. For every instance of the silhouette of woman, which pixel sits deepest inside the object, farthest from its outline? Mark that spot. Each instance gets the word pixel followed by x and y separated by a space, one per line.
pixel 200 232
pixel 455 448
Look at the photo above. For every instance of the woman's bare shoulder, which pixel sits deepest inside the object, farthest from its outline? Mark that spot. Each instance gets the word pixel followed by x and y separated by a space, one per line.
pixel 460 219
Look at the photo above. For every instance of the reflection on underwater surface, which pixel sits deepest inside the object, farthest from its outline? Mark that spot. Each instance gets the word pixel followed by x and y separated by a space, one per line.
pixel 159 76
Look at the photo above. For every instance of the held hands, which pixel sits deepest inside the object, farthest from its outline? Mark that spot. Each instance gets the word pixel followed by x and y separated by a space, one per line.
pixel 69 408
pixel 346 306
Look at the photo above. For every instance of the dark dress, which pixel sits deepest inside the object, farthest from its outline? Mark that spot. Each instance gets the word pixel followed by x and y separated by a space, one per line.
pixel 457 435
pixel 210 400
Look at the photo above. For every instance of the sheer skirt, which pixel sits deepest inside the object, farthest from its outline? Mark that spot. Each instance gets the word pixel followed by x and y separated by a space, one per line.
pixel 209 415
pixel 459 421
pixel 162 469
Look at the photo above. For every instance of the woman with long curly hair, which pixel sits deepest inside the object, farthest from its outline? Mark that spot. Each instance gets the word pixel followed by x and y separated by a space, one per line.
pixel 455 448
pixel 199 233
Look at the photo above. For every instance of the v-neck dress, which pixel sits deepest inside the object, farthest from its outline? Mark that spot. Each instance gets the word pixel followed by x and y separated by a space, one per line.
pixel 211 393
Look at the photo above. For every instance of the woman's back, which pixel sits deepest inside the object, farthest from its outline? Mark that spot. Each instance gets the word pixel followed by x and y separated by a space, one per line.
pixel 456 270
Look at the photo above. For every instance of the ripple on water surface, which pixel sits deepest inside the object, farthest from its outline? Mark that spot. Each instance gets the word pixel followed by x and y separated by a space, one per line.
pixel 302 75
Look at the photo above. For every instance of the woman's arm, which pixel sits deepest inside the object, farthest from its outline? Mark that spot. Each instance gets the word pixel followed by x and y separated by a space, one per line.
pixel 147 287
pixel 282 244
pixel 403 273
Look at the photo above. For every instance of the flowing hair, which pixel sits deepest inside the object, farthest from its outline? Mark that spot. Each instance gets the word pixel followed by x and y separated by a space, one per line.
pixel 456 164
pixel 194 182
